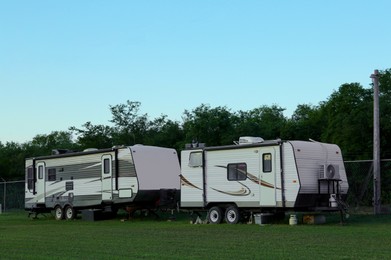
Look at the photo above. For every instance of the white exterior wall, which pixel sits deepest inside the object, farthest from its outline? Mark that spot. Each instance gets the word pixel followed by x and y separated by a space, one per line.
pixel 300 166
pixel 29 196
pixel 310 156
pixel 248 191
pixel 126 183
pixel 156 167
pixel 260 189
pixel 84 183
pixel 84 171
pixel 291 178
pixel 86 180
pixel 191 182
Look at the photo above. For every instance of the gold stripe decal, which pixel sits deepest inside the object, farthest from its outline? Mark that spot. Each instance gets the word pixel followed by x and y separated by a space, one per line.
pixel 186 182
pixel 244 191
pixel 254 179
pixel 260 182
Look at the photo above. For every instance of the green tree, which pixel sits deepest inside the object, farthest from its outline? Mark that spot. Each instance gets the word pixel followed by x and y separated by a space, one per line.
pixel 385 112
pixel 11 161
pixel 44 144
pixel 272 121
pixel 93 136
pixel 129 127
pixel 266 122
pixel 213 126
pixel 305 123
pixel 348 120
pixel 166 133
pixel 13 155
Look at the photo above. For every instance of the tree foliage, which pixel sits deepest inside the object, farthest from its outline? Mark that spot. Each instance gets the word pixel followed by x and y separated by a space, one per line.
pixel 345 118
pixel 93 136
pixel 348 120
pixel 385 112
pixel 129 126
pixel 306 123
pixel 164 132
pixel 12 157
pixel 213 126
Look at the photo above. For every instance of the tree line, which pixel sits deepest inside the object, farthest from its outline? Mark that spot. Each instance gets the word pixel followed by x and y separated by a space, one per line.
pixel 345 118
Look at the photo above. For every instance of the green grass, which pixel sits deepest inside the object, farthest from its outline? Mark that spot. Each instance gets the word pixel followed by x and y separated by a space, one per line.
pixel 363 237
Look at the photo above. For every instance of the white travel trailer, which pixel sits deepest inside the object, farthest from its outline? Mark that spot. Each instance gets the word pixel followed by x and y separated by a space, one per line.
pixel 262 176
pixel 144 176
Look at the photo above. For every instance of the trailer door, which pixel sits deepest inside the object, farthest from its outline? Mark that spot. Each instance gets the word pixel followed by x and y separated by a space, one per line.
pixel 268 171
pixel 107 177
pixel 40 183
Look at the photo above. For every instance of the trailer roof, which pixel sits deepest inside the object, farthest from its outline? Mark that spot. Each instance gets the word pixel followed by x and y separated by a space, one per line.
pixel 70 154
pixel 239 146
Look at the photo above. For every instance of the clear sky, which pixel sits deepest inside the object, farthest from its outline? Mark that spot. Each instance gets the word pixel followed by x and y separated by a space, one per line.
pixel 63 63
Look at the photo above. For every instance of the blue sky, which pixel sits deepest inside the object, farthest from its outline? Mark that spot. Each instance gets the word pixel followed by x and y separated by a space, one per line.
pixel 63 63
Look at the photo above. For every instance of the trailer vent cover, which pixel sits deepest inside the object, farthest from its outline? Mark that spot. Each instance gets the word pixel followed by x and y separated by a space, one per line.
pixel 250 140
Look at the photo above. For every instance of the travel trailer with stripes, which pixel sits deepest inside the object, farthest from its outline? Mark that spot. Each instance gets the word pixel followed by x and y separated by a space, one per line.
pixel 67 182
pixel 230 182
pixel 234 181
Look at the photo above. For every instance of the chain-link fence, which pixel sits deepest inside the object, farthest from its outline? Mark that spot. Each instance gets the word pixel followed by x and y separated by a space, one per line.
pixel 11 195
pixel 359 173
pixel 360 177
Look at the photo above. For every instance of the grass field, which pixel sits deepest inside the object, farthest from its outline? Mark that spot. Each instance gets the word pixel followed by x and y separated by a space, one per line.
pixel 362 237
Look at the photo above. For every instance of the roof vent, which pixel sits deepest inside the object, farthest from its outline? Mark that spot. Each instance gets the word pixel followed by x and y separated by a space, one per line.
pixel 90 150
pixel 61 151
pixel 250 140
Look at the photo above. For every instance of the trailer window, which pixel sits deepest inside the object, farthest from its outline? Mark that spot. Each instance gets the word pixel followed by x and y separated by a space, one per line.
pixel 195 159
pixel 52 174
pixel 267 162
pixel 106 166
pixel 237 172
pixel 40 172
pixel 30 178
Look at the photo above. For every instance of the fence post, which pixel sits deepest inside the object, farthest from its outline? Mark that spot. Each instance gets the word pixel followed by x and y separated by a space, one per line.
pixel 376 145
pixel 5 192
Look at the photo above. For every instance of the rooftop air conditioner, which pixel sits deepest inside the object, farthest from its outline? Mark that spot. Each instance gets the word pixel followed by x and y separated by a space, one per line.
pixel 329 172
pixel 250 140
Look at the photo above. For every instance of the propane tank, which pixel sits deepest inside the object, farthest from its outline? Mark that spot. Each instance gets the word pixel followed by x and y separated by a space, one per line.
pixel 293 220
pixel 332 201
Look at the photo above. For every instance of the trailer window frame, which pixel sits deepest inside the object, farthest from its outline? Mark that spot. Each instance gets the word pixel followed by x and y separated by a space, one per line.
pixel 106 166
pixel 40 172
pixel 52 172
pixel 237 171
pixel 267 163
pixel 30 178
pixel 195 159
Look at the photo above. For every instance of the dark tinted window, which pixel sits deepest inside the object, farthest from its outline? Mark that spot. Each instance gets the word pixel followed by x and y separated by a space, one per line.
pixel 106 166
pixel 51 174
pixel 267 162
pixel 237 171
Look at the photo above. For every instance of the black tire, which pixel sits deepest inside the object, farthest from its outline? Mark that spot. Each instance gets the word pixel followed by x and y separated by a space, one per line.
pixel 232 215
pixel 70 213
pixel 58 213
pixel 215 215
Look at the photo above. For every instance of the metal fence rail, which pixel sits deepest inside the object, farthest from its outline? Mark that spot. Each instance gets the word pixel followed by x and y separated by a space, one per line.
pixel 11 195
pixel 360 177
pixel 359 173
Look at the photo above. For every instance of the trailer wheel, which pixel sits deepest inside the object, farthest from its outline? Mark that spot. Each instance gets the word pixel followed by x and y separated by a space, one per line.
pixel 232 215
pixel 215 215
pixel 58 213
pixel 70 213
